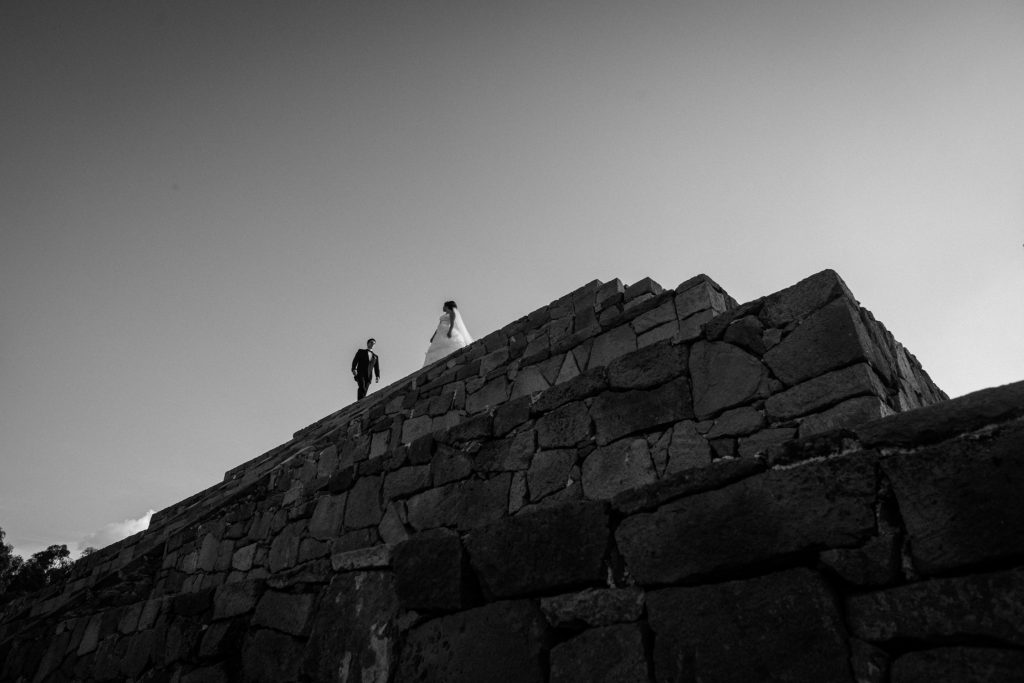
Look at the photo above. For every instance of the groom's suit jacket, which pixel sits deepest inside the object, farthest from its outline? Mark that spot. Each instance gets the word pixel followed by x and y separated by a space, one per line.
pixel 366 361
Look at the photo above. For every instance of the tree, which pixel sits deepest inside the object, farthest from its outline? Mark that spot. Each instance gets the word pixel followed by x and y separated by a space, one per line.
pixel 9 562
pixel 42 569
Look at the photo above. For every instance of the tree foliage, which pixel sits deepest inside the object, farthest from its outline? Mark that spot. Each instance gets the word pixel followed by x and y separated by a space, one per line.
pixel 42 569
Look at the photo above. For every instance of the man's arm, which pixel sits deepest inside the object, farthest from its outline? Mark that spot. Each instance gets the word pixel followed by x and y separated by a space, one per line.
pixel 376 366
pixel 355 361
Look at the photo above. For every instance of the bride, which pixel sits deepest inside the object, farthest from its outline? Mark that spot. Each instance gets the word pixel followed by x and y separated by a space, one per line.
pixel 451 334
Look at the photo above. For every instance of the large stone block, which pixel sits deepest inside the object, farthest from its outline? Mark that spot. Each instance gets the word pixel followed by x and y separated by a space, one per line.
pixel 987 605
pixel 974 664
pixel 610 654
pixel 564 426
pixel 829 339
pixel 543 550
pixel 649 367
pixel 795 303
pixel 364 508
pixel 723 376
pixel 825 391
pixel 618 414
pixel 328 516
pixel 614 343
pixel 405 481
pixel 823 504
pixel 699 293
pixel 234 599
pixel 594 607
pixel 353 635
pixel 492 394
pixel 549 472
pixel 961 500
pixel 780 627
pixel 500 643
pixel 619 466
pixel 846 415
pixel 285 612
pixel 271 657
pixel 430 573
pixel 462 505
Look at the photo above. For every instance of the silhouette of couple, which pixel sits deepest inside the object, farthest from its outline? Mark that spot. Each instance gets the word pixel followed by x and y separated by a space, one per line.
pixel 451 335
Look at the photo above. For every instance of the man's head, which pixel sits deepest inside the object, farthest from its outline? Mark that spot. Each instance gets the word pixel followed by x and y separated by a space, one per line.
pixel 370 342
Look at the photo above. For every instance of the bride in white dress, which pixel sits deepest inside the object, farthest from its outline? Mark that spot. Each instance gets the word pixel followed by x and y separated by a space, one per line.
pixel 451 334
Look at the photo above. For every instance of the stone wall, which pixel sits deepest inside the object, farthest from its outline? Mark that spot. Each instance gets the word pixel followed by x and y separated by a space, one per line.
pixel 533 491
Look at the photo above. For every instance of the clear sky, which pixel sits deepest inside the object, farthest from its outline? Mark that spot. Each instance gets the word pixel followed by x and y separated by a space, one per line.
pixel 206 207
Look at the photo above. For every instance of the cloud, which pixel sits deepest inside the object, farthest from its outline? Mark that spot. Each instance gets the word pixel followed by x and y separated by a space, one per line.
pixel 115 531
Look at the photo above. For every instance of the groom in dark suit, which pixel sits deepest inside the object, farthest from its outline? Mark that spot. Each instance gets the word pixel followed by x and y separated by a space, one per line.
pixel 365 363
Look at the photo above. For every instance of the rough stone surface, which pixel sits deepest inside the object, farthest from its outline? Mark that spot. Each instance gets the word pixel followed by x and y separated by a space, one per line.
pixel 831 338
pixel 618 414
pixel 795 303
pixel 780 627
pixel 768 515
pixel 501 642
pixel 564 426
pixel 549 472
pixel 284 612
pixel 961 501
pixel 610 654
pixel 354 633
pixel 594 607
pixel 723 376
pixel 430 573
pixel 974 664
pixel 824 391
pixel 617 467
pixel 553 548
pixel 648 367
pixel 612 344
pixel 983 605
pixel 849 413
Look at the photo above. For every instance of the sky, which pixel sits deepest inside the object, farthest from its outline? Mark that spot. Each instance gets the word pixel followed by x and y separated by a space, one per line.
pixel 207 207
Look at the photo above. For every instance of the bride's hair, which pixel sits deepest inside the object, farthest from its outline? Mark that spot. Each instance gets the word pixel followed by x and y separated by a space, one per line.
pixel 450 304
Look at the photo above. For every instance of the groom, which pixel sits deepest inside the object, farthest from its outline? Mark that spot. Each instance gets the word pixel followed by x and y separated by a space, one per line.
pixel 365 362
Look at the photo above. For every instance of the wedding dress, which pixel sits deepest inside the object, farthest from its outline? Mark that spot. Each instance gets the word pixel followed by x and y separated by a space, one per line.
pixel 441 345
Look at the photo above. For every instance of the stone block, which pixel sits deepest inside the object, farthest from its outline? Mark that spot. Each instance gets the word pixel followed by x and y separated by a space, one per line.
pixel 692 327
pixel 421 450
pixel 415 427
pixel 667 332
pixel 564 426
pixel 699 294
pixel 974 664
pixel 989 605
pixel 829 339
pixel 353 634
pixel 944 420
pixel 463 505
pixel 243 558
pixel 431 573
pixel 736 422
pixel 618 414
pixel 364 507
pixel 797 302
pixel 284 549
pixel 449 465
pixel 270 656
pixel 648 367
pixel 374 557
pixel 687 448
pixel 960 500
pixel 779 627
pixel 763 441
pixel 594 607
pixel 379 443
pixel 285 612
pixel 610 654
pixel 511 415
pixel 876 563
pixel 612 344
pixel 543 550
pixel 747 333
pixel 817 505
pixel 619 466
pixel 825 391
pixel 847 415
pixel 235 599
pixel 608 291
pixel 586 385
pixel 493 393
pixel 328 516
pixel 664 313
pixel 500 643
pixel 549 472
pixel 405 481
pixel 723 376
